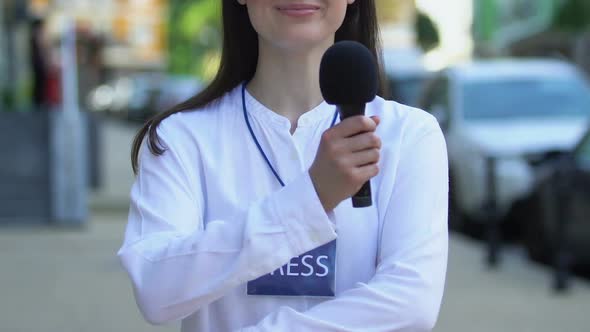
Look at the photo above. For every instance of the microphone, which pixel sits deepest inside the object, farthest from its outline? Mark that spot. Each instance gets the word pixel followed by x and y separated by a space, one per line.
pixel 348 79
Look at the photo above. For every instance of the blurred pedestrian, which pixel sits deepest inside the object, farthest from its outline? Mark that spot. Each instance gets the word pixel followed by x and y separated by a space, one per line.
pixel 240 214
pixel 39 62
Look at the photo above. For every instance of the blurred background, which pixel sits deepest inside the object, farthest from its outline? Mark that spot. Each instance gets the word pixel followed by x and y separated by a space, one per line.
pixel 506 79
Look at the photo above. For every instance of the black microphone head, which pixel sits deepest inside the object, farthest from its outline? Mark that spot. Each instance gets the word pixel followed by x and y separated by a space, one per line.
pixel 348 74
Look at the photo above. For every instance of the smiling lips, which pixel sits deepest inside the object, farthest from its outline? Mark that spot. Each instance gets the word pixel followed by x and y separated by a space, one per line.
pixel 298 10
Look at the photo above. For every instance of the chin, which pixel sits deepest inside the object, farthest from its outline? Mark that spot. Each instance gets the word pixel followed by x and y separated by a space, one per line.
pixel 304 40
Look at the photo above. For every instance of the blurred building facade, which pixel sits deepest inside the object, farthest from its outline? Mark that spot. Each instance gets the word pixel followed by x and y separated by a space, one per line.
pixel 14 55
pixel 3 59
pixel 113 37
pixel 396 19
pixel 135 30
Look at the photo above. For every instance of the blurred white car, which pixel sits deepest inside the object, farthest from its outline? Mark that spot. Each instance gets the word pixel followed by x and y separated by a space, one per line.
pixel 406 74
pixel 507 109
pixel 140 96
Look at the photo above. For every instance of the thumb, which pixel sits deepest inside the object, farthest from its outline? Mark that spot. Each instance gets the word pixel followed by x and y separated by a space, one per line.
pixel 376 119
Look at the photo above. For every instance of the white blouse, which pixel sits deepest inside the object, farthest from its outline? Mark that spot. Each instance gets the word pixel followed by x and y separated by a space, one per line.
pixel 208 216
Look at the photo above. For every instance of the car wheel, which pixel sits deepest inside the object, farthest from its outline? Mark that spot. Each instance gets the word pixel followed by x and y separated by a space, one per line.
pixel 535 236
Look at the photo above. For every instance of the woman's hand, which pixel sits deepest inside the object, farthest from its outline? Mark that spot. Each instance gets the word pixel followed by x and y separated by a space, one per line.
pixel 347 158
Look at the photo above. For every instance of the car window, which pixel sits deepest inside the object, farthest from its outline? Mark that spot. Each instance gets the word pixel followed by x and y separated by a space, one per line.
pixel 436 102
pixel 406 90
pixel 437 94
pixel 526 98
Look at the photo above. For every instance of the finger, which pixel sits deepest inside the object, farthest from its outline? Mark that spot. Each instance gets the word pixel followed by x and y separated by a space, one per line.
pixel 368 171
pixel 376 119
pixel 365 157
pixel 354 125
pixel 362 141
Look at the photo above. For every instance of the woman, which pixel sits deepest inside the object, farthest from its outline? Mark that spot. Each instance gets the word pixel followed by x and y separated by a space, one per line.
pixel 256 172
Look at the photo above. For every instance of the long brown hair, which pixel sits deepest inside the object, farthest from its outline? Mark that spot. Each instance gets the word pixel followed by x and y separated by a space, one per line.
pixel 239 58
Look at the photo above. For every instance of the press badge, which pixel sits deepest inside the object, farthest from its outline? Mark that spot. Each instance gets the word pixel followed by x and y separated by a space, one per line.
pixel 311 274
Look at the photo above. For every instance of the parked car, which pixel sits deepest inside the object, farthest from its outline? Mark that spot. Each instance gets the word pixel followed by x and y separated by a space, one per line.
pixel 139 96
pixel 175 90
pixel 505 109
pixel 562 178
pixel 406 74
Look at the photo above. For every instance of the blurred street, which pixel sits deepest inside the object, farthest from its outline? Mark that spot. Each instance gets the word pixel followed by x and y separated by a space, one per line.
pixel 67 280
pixel 70 280
pixel 115 162
pixel 507 81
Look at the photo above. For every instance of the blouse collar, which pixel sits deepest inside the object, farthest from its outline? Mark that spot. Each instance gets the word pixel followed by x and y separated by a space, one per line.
pixel 257 109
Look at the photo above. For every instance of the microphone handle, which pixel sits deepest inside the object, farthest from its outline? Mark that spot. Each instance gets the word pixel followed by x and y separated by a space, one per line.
pixel 363 197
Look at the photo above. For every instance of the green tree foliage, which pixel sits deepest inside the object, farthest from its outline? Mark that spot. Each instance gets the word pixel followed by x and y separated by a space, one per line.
pixel 573 16
pixel 426 32
pixel 194 36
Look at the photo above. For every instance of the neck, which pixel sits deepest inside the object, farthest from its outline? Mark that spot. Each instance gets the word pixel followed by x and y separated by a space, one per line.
pixel 287 81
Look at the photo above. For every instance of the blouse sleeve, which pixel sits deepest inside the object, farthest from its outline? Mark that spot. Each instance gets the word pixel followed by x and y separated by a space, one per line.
pixel 406 292
pixel 177 265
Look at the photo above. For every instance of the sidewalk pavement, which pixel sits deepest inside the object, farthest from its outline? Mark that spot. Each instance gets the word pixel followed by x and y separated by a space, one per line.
pixel 60 280
pixel 515 297
pixel 71 281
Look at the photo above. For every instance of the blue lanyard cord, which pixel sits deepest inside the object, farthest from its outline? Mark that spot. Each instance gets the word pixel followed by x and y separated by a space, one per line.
pixel 256 140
